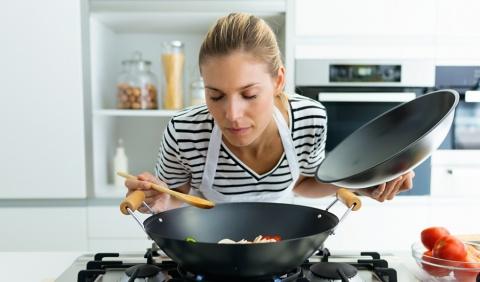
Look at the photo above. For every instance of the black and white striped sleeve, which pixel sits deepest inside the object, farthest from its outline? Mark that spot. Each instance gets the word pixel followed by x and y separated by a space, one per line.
pixel 169 168
pixel 309 165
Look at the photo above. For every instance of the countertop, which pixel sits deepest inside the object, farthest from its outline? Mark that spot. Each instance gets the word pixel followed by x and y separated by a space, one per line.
pixel 34 266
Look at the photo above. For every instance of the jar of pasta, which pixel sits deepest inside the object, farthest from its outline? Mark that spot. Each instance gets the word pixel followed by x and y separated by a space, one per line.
pixel 173 60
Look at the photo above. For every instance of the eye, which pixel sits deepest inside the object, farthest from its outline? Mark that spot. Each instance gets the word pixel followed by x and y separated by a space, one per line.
pixel 215 98
pixel 214 95
pixel 249 95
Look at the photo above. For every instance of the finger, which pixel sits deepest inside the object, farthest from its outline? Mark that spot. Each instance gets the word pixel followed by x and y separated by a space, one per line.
pixel 151 193
pixel 388 189
pixel 395 190
pixel 378 191
pixel 407 182
pixel 143 209
pixel 138 185
pixel 132 184
pixel 146 176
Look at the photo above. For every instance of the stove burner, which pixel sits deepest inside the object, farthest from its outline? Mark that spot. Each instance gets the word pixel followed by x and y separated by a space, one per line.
pixel 143 271
pixel 189 276
pixel 333 271
pixel 103 267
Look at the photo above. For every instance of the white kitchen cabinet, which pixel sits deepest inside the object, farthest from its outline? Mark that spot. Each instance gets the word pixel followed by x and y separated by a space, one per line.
pixel 365 18
pixel 455 173
pixel 109 229
pixel 40 228
pixel 444 30
pixel 43 142
pixel 116 30
pixel 367 29
pixel 457 33
pixel 457 18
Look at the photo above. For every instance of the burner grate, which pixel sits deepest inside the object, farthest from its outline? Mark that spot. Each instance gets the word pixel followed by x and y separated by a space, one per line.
pixel 103 263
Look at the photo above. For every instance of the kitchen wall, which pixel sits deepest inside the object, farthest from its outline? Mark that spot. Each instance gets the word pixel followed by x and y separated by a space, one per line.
pixel 57 194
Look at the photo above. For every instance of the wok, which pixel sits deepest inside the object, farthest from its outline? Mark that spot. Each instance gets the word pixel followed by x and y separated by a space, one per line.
pixel 302 229
pixel 391 144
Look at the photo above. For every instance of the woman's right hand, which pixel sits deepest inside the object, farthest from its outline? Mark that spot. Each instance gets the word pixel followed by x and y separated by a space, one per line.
pixel 156 200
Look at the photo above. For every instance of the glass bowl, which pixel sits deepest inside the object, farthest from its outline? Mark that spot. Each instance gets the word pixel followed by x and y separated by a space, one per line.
pixel 444 270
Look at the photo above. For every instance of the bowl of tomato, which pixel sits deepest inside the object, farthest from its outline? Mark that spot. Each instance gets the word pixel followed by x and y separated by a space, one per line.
pixel 446 257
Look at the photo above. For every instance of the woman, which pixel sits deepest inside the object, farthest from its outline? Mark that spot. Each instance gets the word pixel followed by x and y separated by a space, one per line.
pixel 250 142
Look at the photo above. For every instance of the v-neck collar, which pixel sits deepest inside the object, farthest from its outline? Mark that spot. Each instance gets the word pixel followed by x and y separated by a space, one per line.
pixel 246 167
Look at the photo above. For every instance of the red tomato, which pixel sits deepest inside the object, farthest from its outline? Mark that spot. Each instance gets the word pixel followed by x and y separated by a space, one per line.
pixel 451 248
pixel 468 275
pixel 431 269
pixel 277 238
pixel 431 235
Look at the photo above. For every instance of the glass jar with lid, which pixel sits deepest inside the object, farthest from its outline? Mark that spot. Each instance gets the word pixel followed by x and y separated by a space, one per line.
pixel 197 92
pixel 173 59
pixel 137 85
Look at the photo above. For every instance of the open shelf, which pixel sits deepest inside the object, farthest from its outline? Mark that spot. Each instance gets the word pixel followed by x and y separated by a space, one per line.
pixel 177 16
pixel 135 113
pixel 118 28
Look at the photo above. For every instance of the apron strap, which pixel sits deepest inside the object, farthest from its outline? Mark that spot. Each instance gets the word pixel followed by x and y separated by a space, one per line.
pixel 288 146
pixel 212 158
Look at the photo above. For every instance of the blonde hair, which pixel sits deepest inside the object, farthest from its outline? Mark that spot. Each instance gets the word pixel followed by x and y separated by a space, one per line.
pixel 243 32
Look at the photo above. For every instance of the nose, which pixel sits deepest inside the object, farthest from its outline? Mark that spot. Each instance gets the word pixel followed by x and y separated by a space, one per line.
pixel 234 110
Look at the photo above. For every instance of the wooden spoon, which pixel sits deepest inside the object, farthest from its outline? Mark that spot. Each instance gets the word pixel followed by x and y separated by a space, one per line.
pixel 189 199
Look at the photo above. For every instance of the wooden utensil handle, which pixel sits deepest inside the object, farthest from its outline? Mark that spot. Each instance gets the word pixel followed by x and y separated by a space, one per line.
pixel 349 198
pixel 133 201
pixel 190 199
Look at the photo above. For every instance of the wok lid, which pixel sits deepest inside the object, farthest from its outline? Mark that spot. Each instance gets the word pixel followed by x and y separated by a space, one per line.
pixel 392 143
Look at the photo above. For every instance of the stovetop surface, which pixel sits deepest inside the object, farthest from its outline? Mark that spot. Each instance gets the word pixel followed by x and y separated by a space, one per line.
pixel 171 274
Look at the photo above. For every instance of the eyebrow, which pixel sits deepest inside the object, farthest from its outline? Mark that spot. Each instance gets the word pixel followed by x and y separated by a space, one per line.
pixel 241 88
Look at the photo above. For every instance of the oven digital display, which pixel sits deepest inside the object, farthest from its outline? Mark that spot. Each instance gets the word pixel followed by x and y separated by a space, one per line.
pixel 365 73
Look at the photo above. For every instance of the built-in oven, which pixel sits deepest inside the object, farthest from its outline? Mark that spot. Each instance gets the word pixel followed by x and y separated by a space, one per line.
pixel 355 91
pixel 465 133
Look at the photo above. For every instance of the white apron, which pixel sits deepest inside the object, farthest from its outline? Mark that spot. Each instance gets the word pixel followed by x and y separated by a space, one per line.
pixel 285 196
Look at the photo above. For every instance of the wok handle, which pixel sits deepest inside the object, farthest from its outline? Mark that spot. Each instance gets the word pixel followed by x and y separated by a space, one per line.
pixel 132 202
pixel 349 199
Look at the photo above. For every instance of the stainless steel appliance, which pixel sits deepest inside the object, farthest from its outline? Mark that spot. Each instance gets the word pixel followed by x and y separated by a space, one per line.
pixel 155 266
pixel 356 91
pixel 466 127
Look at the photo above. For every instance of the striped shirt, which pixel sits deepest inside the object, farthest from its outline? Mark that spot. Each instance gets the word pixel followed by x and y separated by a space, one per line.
pixel 183 151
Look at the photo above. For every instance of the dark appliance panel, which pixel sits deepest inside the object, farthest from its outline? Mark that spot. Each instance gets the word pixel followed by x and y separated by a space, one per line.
pixel 465 133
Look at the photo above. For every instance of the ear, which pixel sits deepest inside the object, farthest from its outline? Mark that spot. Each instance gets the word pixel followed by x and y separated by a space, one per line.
pixel 280 80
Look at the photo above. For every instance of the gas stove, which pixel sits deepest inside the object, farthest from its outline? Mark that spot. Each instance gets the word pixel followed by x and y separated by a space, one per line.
pixel 153 265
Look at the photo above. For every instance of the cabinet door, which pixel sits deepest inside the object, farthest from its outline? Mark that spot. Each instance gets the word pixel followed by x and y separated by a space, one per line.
pixel 458 41
pixel 365 18
pixel 42 149
pixel 43 229
pixel 455 180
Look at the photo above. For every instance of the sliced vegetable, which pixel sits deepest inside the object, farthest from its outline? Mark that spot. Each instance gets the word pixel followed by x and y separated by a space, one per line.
pixel 277 238
pixel 190 239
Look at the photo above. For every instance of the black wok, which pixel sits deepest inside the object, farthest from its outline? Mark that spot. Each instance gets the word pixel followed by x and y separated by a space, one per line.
pixel 391 144
pixel 302 229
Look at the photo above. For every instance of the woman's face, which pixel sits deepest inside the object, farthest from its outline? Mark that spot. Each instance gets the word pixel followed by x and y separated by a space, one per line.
pixel 240 94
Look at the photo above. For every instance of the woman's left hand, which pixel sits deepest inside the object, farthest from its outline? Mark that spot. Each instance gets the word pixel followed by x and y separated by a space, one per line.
pixel 387 191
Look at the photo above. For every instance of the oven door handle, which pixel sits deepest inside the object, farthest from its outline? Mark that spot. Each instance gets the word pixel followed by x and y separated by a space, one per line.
pixel 472 96
pixel 366 96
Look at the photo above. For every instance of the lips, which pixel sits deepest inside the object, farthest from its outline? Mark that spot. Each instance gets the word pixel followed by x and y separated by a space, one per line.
pixel 238 130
